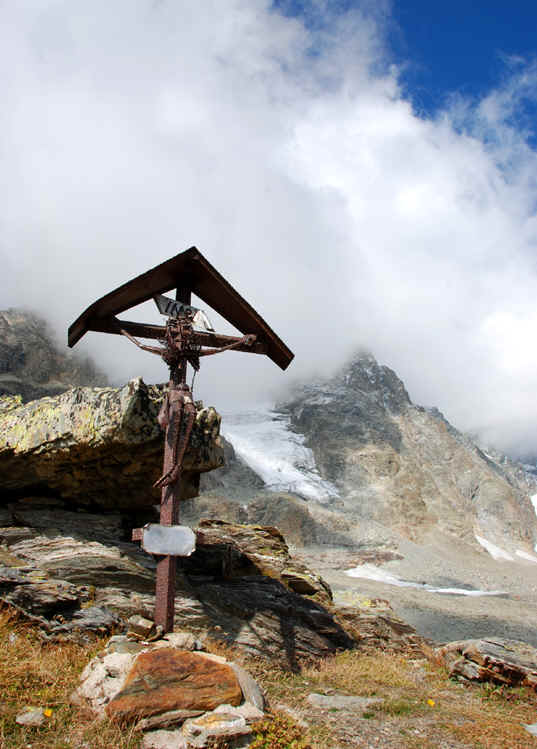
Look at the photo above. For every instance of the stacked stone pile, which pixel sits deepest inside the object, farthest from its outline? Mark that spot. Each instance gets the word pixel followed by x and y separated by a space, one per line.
pixel 172 690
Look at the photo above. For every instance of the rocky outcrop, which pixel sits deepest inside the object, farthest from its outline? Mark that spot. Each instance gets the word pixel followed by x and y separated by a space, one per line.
pixel 506 662
pixel 232 551
pixel 98 447
pixel 32 365
pixel 405 467
pixel 241 585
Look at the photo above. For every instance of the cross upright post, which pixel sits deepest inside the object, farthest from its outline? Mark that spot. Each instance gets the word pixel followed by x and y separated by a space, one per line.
pixel 170 497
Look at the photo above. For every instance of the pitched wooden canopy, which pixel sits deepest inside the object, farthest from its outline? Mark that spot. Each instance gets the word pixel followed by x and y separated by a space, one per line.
pixel 187 270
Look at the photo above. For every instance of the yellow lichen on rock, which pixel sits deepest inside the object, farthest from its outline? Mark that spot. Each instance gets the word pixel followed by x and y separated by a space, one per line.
pixel 99 446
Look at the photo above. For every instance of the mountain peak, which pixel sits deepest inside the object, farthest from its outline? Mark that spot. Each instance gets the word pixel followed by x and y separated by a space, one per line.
pixel 364 374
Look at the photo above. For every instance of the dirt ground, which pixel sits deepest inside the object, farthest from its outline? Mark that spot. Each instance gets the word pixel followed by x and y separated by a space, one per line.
pixel 442 562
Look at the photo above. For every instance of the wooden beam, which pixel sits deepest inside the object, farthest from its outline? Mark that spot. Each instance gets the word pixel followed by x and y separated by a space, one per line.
pixel 143 330
pixel 187 270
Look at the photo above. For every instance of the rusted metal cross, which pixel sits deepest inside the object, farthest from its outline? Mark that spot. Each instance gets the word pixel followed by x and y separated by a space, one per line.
pixel 186 337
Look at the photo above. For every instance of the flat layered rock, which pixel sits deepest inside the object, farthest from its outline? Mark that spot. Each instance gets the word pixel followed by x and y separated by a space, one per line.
pixel 165 679
pixel 239 550
pixel 240 585
pixel 341 701
pixel 500 661
pixel 99 446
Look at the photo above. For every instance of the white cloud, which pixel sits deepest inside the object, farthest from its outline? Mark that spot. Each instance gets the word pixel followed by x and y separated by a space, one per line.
pixel 292 158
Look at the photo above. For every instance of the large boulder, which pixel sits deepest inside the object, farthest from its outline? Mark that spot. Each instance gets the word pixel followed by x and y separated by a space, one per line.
pixel 98 446
pixel 168 679
pixel 177 697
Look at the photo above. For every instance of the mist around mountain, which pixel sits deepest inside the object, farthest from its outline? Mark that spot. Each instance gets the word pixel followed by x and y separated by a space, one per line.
pixel 32 364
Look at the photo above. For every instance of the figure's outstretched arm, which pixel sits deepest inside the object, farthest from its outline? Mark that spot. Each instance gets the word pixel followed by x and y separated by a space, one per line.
pixel 151 349
pixel 245 340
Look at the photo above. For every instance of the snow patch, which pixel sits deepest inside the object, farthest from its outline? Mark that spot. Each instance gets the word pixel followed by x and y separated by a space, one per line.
pixel 263 439
pixel 526 555
pixel 533 500
pixel 494 551
pixel 370 572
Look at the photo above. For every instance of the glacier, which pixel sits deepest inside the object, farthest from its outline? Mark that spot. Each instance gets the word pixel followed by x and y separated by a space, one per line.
pixel 263 439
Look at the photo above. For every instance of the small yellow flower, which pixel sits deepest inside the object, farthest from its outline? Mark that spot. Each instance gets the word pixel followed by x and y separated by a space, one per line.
pixel 47 712
pixel 431 703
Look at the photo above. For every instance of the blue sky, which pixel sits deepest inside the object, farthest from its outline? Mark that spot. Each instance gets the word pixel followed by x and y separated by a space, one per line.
pixel 463 47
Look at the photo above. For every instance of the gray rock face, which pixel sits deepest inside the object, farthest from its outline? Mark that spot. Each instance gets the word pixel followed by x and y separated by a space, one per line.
pixel 32 364
pixel 356 407
pixel 406 467
pixel 240 585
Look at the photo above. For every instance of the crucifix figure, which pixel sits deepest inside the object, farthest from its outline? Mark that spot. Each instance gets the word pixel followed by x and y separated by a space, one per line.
pixel 186 337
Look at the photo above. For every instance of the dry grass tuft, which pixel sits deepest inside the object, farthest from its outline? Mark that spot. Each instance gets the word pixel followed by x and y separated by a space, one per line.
pixel 420 706
pixel 37 674
pixel 362 675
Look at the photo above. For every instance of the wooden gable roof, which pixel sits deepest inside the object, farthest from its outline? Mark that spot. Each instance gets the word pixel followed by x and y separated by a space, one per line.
pixel 191 270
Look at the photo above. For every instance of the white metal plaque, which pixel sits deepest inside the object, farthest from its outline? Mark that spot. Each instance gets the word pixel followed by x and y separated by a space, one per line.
pixel 172 540
pixel 171 307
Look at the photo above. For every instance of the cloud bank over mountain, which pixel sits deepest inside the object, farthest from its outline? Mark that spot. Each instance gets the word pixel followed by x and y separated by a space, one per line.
pixel 292 156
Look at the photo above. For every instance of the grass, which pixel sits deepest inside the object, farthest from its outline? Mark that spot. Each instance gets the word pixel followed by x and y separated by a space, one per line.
pixel 36 674
pixel 420 707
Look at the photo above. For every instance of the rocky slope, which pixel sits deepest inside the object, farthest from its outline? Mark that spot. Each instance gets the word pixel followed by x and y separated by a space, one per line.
pixel 32 365
pixel 74 571
pixel 405 467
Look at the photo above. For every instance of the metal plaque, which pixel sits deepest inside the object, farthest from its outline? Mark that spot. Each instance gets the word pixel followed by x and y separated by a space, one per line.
pixel 171 307
pixel 173 540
